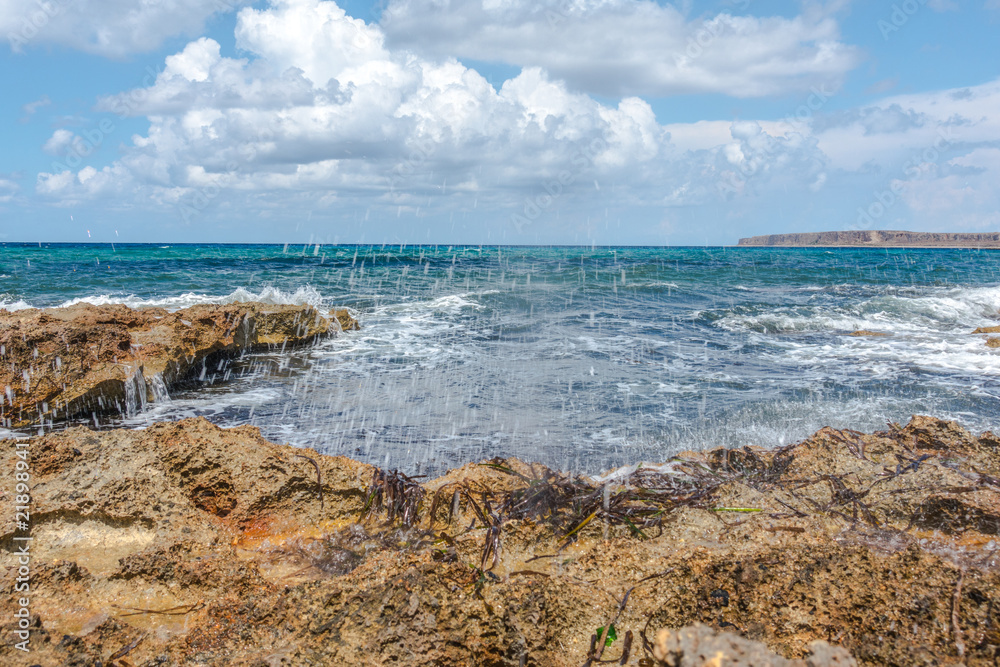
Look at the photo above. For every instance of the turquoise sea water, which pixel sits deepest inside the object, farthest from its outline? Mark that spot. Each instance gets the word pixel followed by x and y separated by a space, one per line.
pixel 581 358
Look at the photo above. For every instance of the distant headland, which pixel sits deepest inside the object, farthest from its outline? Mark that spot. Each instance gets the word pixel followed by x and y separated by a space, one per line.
pixel 877 239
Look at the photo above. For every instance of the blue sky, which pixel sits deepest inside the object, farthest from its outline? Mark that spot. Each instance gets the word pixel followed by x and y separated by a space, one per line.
pixel 495 121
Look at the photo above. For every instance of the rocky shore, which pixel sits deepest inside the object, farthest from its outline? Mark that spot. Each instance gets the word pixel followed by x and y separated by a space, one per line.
pixel 190 544
pixel 89 361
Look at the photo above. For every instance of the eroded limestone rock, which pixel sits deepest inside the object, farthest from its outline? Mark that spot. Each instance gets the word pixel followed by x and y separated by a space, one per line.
pixel 65 363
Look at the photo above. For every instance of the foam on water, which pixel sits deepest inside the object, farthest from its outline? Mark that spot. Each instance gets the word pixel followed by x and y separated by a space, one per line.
pixel 9 305
pixel 305 295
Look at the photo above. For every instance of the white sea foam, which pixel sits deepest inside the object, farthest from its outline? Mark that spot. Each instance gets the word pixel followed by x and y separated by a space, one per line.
pixel 11 306
pixel 425 331
pixel 940 311
pixel 305 295
pixel 203 405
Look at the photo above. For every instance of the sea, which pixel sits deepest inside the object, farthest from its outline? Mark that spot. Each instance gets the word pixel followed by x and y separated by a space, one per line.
pixel 581 358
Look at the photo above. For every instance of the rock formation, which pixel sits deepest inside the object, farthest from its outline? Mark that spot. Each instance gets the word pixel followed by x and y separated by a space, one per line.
pixel 189 544
pixel 67 363
pixel 877 238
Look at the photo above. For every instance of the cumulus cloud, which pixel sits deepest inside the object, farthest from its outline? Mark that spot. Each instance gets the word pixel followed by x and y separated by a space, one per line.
pixel 113 28
pixel 114 184
pixel 630 47
pixel 62 142
pixel 321 105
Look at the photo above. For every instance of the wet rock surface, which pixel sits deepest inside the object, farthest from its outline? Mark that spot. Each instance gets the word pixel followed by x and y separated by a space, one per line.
pixel 190 544
pixel 64 363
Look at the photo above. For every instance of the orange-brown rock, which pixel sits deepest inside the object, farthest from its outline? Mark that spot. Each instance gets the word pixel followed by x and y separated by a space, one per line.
pixel 993 341
pixel 190 544
pixel 865 332
pixel 65 363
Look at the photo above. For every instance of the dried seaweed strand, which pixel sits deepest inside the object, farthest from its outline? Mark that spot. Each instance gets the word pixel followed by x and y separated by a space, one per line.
pixel 125 650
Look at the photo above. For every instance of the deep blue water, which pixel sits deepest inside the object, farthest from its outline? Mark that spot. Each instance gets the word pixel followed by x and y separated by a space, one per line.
pixel 581 358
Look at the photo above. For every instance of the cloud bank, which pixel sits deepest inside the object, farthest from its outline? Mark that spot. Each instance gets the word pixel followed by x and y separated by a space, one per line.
pixel 325 112
pixel 630 47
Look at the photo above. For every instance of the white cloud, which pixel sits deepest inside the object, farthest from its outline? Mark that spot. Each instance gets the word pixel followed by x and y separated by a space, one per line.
pixel 69 189
pixel 114 28
pixel 938 154
pixel 630 47
pixel 62 142
pixel 316 37
pixel 8 190
pixel 322 106
pixel 903 125
pixel 31 108
pixel 960 191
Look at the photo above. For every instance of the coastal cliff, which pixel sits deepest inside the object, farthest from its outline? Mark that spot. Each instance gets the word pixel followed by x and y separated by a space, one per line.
pixel 876 238
pixel 64 363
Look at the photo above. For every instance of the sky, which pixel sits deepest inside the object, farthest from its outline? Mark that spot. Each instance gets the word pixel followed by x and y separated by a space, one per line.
pixel 608 122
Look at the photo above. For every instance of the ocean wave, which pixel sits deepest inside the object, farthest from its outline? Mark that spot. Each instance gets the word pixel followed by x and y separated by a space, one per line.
pixel 452 303
pixel 305 295
pixel 11 306
pixel 943 311
pixel 302 296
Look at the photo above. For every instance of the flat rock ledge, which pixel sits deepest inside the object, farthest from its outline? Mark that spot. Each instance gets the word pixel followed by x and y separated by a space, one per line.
pixel 188 544
pixel 84 360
